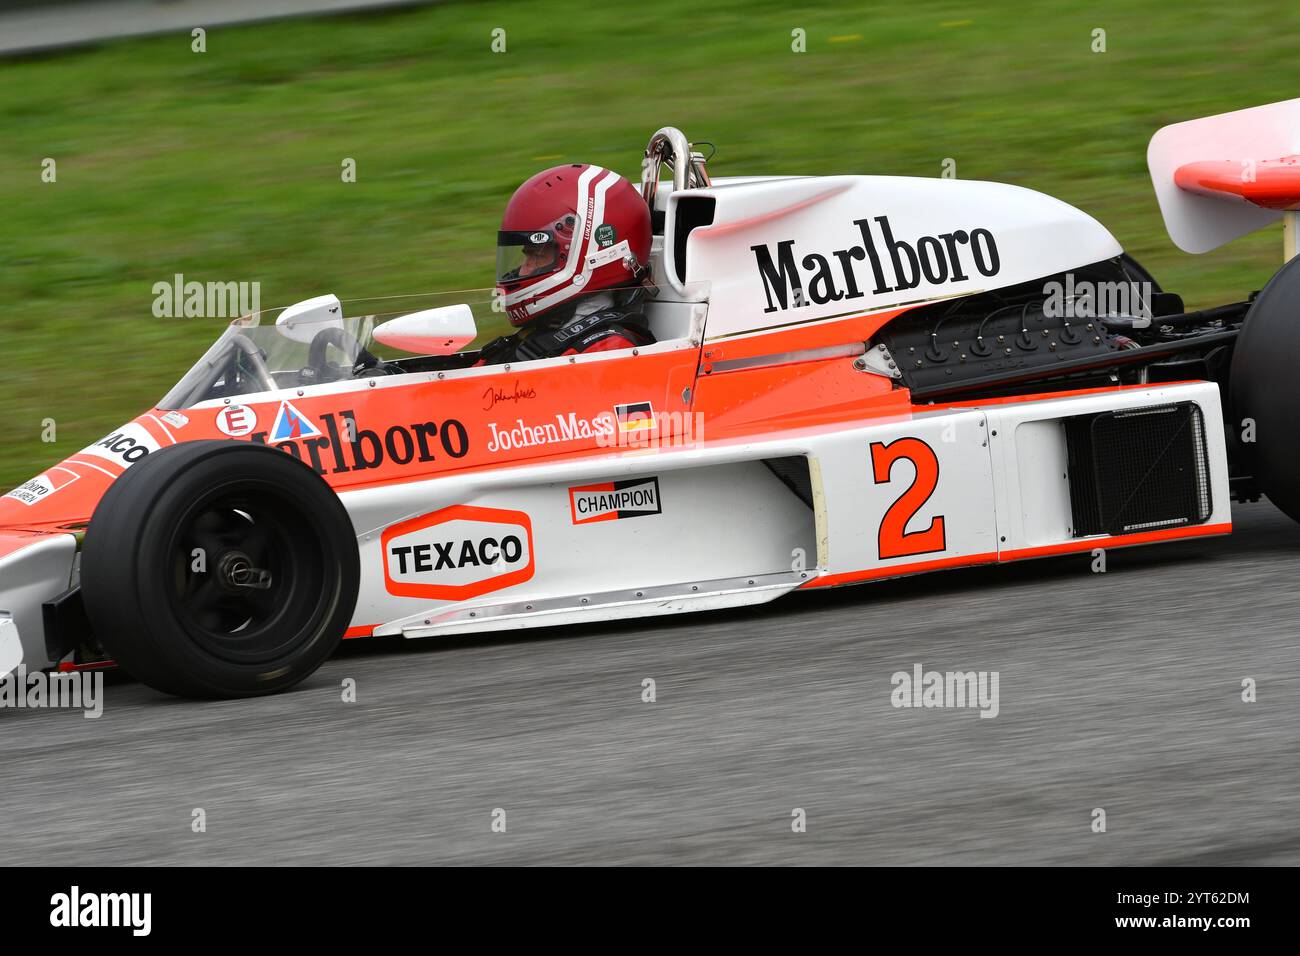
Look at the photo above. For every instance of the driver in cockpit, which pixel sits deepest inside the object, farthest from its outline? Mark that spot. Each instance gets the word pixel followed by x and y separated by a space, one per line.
pixel 572 265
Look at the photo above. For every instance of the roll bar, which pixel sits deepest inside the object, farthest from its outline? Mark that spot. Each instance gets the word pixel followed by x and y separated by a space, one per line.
pixel 669 145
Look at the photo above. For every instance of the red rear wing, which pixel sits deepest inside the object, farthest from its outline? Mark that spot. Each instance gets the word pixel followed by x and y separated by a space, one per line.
pixel 1224 176
pixel 1270 183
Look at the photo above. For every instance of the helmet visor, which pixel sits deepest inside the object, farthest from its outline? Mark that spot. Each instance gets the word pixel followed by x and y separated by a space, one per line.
pixel 526 254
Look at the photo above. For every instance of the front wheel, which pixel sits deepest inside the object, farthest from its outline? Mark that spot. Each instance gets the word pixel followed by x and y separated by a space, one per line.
pixel 220 569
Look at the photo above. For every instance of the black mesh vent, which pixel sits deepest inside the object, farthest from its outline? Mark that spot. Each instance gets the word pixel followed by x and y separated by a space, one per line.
pixel 793 472
pixel 1142 469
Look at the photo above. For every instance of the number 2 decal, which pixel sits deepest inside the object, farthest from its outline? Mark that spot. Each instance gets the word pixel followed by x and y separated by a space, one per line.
pixel 894 540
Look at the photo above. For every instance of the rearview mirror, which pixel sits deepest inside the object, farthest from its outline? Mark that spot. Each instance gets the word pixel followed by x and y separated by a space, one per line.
pixel 303 320
pixel 439 331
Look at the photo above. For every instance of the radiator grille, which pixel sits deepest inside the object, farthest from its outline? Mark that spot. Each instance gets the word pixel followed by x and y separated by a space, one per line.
pixel 1141 469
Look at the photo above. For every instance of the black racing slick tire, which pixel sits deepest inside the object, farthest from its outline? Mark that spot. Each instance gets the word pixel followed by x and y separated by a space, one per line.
pixel 1264 386
pixel 220 569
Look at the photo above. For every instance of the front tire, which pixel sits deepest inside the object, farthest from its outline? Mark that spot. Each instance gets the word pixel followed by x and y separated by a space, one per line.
pixel 220 569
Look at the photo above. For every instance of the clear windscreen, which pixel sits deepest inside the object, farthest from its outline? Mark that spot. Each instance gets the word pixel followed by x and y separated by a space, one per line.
pixel 259 353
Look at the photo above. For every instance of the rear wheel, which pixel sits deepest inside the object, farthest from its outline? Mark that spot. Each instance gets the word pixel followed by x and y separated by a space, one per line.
pixel 220 569
pixel 1265 389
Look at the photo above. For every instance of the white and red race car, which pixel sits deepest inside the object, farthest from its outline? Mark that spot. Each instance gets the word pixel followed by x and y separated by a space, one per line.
pixel 853 378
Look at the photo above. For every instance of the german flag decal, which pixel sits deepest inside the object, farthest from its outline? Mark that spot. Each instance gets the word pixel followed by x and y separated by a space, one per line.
pixel 614 499
pixel 636 417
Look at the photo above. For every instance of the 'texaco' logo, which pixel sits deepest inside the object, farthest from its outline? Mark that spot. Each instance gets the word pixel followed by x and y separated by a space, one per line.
pixel 614 499
pixel 457 553
pixel 124 447
pixel 936 259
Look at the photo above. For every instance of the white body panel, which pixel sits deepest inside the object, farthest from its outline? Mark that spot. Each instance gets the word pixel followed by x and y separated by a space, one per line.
pixel 716 517
pixel 856 504
pixel 1025 235
pixel 11 644
pixel 722 530
pixel 37 573
pixel 1033 504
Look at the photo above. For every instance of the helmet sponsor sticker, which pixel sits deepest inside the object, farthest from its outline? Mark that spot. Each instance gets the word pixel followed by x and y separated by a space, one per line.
pixel 236 420
pixel 605 235
pixel 44 485
pixel 540 238
pixel 124 447
pixel 291 424
pixel 607 255
pixel 457 553
pixel 611 500
pixel 635 417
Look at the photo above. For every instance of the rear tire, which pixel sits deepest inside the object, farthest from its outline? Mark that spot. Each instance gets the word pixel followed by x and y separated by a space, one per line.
pixel 1264 385
pixel 220 569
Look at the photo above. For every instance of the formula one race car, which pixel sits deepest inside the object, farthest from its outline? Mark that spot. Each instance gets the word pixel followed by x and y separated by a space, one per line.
pixel 851 378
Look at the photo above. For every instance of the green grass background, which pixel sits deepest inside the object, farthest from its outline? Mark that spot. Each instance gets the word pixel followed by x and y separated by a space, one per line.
pixel 225 165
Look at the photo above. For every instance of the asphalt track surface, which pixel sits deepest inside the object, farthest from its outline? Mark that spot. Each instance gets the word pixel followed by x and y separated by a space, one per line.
pixel 1119 690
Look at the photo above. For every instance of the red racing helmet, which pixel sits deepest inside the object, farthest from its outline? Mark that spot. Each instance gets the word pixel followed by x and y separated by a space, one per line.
pixel 568 231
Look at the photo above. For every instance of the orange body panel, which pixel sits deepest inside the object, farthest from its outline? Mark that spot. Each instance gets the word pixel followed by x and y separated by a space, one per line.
pixel 414 430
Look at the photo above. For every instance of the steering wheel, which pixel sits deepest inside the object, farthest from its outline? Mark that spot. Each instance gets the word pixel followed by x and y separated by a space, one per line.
pixel 318 368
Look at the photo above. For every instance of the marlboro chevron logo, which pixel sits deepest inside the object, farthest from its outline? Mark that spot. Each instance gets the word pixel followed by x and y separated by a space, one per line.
pixel 291 423
pixel 612 500
pixel 882 263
